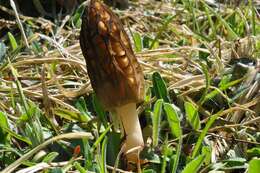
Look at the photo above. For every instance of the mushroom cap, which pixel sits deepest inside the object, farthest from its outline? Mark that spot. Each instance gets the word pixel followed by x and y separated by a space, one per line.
pixel 114 72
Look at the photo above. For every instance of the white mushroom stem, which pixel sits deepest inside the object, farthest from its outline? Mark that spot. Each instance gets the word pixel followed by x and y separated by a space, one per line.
pixel 134 138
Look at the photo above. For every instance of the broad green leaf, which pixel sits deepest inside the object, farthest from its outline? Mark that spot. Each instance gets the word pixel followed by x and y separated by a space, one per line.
pixel 160 88
pixel 254 166
pixel 192 115
pixel 138 42
pixel 12 41
pixel 156 121
pixel 173 119
pixel 194 165
pixel 254 152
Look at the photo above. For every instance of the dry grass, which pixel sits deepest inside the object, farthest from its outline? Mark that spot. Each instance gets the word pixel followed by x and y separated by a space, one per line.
pixel 201 59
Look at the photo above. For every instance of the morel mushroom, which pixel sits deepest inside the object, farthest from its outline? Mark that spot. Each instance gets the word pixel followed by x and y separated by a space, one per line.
pixel 114 71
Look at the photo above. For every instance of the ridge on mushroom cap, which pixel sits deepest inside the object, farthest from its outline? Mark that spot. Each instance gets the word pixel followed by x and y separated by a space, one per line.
pixel 114 71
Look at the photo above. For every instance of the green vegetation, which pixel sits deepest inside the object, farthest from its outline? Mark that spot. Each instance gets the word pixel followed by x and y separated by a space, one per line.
pixel 201 111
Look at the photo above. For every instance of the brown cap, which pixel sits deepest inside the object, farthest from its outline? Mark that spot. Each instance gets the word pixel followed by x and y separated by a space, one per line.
pixel 114 71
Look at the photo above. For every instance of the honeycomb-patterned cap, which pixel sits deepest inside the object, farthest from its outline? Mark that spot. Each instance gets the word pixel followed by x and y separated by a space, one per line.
pixel 115 74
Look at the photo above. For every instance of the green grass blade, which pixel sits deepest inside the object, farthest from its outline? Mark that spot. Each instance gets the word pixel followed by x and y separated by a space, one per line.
pixel 232 33
pixel 165 150
pixel 214 31
pixel 203 134
pixel 15 135
pixel 19 88
pixel 103 155
pixel 81 105
pixel 12 41
pixel 253 18
pixel 221 88
pixel 177 156
pixel 156 121
pixel 101 137
pixel 163 28
pixel 207 81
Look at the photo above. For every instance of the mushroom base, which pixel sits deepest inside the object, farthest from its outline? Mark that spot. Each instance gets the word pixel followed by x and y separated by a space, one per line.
pixel 134 139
